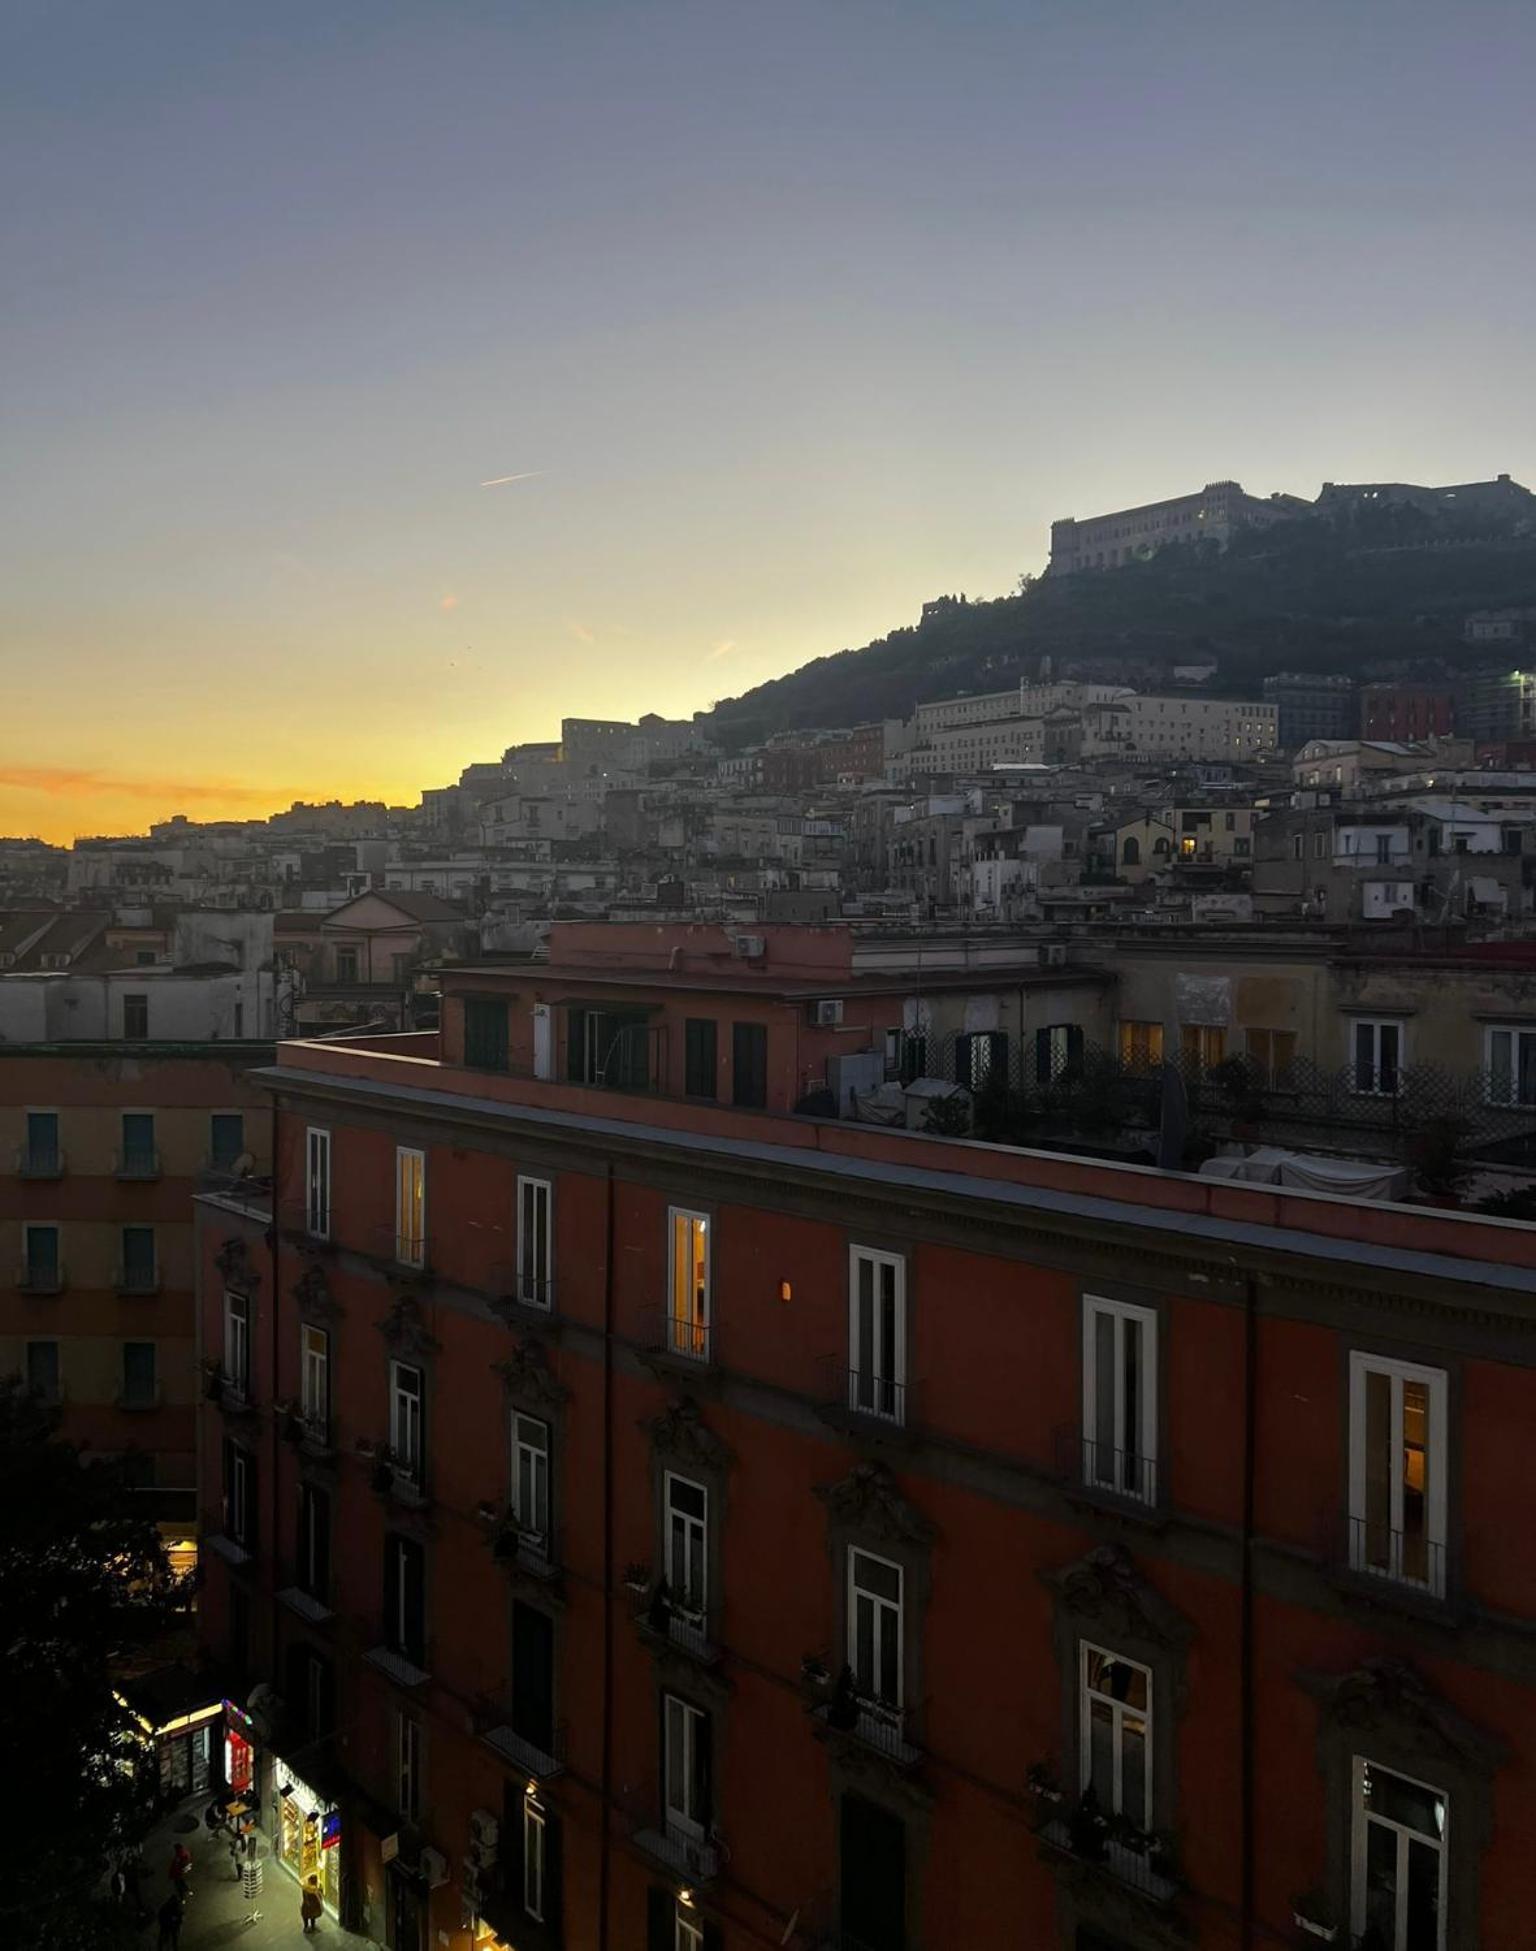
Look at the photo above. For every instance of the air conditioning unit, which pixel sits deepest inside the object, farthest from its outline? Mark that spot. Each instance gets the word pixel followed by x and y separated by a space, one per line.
pixel 1053 955
pixel 826 1015
pixel 469 1881
pixel 750 948
pixel 481 1855
pixel 433 1866
pixel 484 1829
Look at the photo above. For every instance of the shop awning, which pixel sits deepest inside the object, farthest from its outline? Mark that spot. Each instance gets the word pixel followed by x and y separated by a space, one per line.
pixel 173 1696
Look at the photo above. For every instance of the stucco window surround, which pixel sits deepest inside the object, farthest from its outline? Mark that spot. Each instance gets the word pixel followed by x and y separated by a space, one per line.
pixel 1103 1601
pixel 867 1512
pixel 1384 1712
pixel 530 1388
pixel 1098 1467
pixel 1410 1597
pixel 683 1447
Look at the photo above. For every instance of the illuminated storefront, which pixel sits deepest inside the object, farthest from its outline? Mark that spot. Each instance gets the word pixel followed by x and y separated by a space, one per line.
pixel 306 1834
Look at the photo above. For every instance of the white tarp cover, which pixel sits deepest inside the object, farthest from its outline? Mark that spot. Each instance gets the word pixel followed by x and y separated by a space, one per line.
pixel 1351 1177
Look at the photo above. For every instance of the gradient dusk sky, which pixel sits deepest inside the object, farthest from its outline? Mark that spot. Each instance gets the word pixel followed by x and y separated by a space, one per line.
pixel 794 314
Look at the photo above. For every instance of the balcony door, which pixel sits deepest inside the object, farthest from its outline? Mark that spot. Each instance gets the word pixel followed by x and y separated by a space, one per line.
pixel 872 1861
pixel 533 1677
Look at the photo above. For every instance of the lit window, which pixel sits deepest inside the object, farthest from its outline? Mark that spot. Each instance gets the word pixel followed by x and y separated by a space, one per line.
pixel 1397 1445
pixel 1115 1734
pixel 410 1207
pixel 688 1284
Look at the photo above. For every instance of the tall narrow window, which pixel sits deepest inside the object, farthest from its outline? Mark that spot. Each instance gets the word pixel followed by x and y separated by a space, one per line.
pixel 1058 1051
pixel 237 1342
pixel 687 1545
pixel 749 1065
pixel 530 1481
pixel 317 1183
pixel 406 1415
pixel 535 1838
pixel 42 1270
pixel 137 1158
pixel 410 1207
pixel 1115 1734
pixel 226 1139
pixel 1397 1446
pixel 405 1598
pixel 139 1274
pixel 141 1382
pixel 534 1243
pixel 43 1369
pixel 314 1554
pixel 136 1017
pixel 486 1045
pixel 239 1495
pixel 875 1629
pixel 315 1380
pixel 1120 1398
pixel 688 1284
pixel 40 1158
pixel 686 1768
pixel 877 1333
pixel 1378 1056
pixel 699 1057
pixel 408 1759
pixel 1398 1861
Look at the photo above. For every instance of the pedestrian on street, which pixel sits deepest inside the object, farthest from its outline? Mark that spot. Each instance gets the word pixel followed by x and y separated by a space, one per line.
pixel 181 1862
pixel 170 1923
pixel 310 1907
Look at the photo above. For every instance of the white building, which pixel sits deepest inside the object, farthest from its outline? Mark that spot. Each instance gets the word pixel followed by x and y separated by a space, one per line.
pixel 1202 728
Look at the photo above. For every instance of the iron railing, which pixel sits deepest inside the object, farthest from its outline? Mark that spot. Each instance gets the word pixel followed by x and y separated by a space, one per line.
pixel 40 1162
pixel 869 1395
pixel 685 1337
pixel 41 1277
pixel 1102 1467
pixel 137 1162
pixel 137 1279
pixel 1407 1558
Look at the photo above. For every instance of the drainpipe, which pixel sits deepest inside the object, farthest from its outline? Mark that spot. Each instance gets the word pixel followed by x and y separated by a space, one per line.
pixel 604 1865
pixel 1245 1657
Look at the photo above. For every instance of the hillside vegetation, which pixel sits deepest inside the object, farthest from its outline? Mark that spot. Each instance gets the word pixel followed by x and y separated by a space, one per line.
pixel 1365 598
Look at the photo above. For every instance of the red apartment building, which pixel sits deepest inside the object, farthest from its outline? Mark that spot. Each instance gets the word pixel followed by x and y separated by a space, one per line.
pixel 1405 711
pixel 676 1523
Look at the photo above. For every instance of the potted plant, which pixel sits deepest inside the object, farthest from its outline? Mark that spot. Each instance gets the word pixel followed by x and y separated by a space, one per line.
pixel 1434 1151
pixel 382 1476
pixel 843 1708
pixel 658 1614
pixel 637 1576
pixel 1087 1829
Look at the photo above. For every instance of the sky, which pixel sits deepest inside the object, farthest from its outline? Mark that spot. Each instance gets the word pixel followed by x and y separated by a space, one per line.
pixel 791 316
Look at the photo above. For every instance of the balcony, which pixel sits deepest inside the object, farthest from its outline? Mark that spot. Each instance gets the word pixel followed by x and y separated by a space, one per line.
pixel 690 1631
pixel 516 1548
pixel 531 1758
pixel 526 1298
pixel 1101 1472
pixel 305 1605
pixel 40 1162
pixel 1136 1858
pixel 679 1342
pixel 34 1277
pixel 406 1254
pixel 678 1850
pixel 139 1162
pixel 1399 1565
pixel 136 1280
pixel 874 1724
pixel 229 1549
pixel 398 1667
pixel 392 1475
pixel 859 1401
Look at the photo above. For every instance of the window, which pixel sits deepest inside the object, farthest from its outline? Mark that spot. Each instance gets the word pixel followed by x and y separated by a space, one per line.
pixel 239 1495
pixel 877 1333
pixel 485 1035
pixel 1058 1051
pixel 1141 1044
pixel 138 1274
pixel 226 1139
pixel 533 1677
pixel 1271 1051
pixel 42 1272
pixel 410 1207
pixel 315 1379
pixel 687 1930
pixel 1378 1056
pixel 317 1183
pixel 699 1057
pixel 688 1284
pixel 686 1556
pixel 346 965
pixel 608 1047
pixel 406 1408
pixel 136 1017
pixel 140 1382
pixel 749 1066
pixel 405 1598
pixel 530 1480
pixel 1509 1058
pixel 1115 1734
pixel 533 1242
pixel 1202 1045
pixel 1397 1861
pixel 1120 1398
pixel 1383 849
pixel 1397 1446
pixel 41 1158
pixel 43 1369
pixel 874 1628
pixel 981 1057
pixel 1187 847
pixel 237 1341
pixel 138 1153
pixel 535 1840
pixel 314 1543
pixel 407 1766
pixel 1241 849
pixel 872 1875
pixel 1319 846
pixel 686 1767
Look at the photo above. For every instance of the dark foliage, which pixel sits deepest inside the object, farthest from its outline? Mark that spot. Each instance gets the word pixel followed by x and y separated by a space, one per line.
pixel 82 1584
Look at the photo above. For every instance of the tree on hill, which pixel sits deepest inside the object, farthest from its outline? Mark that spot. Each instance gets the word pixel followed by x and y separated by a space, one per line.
pixel 81 1583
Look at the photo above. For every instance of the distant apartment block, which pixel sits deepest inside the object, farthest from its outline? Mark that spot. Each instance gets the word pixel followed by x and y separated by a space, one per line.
pixel 1201 728
pixel 1311 705
pixel 1497 702
pixel 1404 711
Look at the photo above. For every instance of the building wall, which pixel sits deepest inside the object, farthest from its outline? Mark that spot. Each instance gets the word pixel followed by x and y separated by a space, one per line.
pixel 1202 728
pixel 1405 711
pixel 1011 1566
pixel 89 1319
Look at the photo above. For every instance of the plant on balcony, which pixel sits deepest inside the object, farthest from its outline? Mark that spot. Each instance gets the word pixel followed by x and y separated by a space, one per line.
pixel 948 1117
pixel 382 1476
pixel 213 1382
pixel 814 1670
pixel 637 1577
pixel 1087 1827
pixel 843 1708
pixel 658 1614
pixel 506 1538
pixel 1041 1781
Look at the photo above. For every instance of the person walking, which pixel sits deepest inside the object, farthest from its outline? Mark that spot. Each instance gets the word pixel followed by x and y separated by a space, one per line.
pixel 170 1922
pixel 311 1909
pixel 181 1863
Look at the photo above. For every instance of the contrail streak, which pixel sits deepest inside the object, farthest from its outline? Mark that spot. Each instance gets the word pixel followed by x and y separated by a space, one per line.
pixel 501 480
